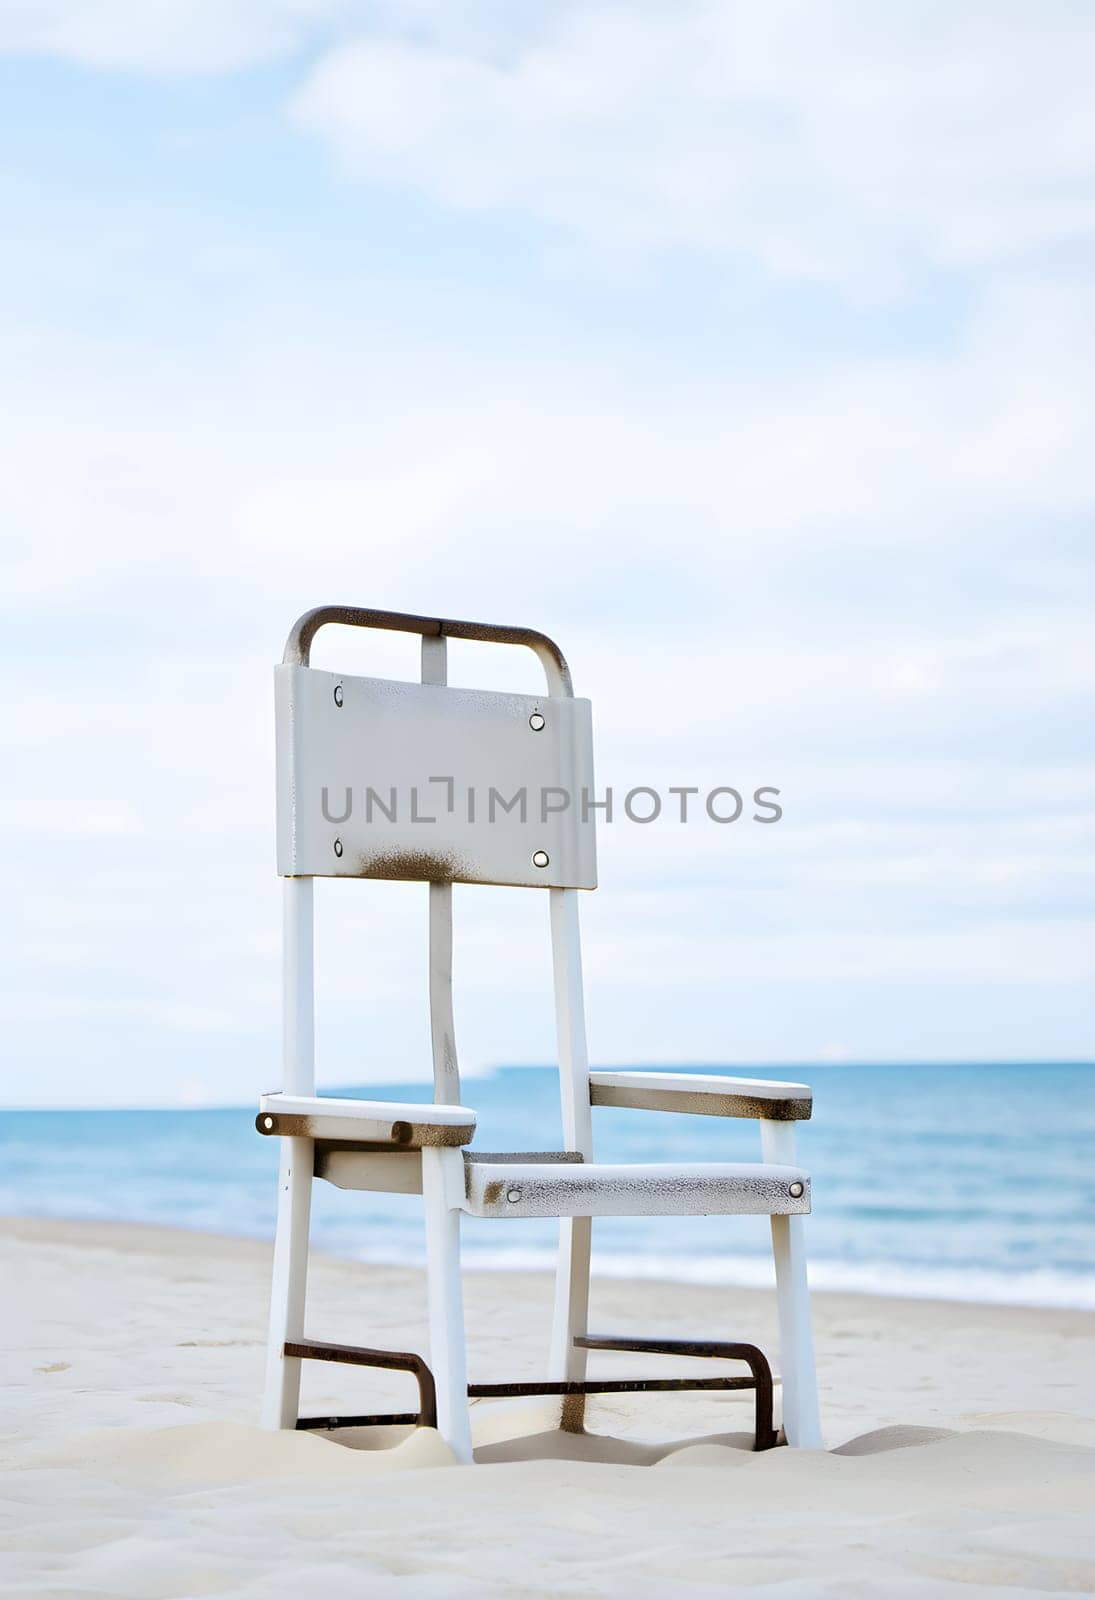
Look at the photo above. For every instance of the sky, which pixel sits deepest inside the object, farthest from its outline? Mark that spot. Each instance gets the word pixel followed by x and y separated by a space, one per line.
pixel 746 349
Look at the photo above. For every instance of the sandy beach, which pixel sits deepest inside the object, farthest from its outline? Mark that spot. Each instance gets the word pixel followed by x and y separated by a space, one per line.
pixel 962 1443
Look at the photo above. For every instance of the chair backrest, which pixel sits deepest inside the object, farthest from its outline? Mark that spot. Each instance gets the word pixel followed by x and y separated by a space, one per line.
pixel 419 781
pixel 381 779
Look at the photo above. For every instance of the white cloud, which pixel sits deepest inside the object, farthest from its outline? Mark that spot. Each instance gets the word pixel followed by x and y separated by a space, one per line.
pixel 864 580
pixel 162 35
pixel 850 144
pixel 750 580
pixel 216 36
pixel 847 143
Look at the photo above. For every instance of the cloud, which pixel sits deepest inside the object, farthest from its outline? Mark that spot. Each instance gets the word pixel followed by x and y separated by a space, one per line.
pixel 163 35
pixel 861 587
pixel 864 577
pixel 848 144
pixel 854 145
pixel 219 36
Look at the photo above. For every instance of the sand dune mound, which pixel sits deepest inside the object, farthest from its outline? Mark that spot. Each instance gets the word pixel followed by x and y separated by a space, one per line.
pixel 134 1468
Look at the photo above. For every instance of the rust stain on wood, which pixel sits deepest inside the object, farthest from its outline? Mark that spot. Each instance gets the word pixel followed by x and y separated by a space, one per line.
pixel 422 866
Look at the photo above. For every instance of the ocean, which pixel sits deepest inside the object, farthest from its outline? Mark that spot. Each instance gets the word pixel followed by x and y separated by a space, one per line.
pixel 969 1182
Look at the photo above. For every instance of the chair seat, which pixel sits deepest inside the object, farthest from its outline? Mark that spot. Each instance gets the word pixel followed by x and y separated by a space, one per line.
pixel 592 1189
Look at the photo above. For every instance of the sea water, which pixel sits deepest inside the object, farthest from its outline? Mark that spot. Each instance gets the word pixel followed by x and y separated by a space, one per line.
pixel 970 1182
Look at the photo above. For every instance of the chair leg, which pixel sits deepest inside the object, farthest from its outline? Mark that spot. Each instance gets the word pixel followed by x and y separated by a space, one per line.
pixel 281 1401
pixel 569 1362
pixel 801 1415
pixel 442 1191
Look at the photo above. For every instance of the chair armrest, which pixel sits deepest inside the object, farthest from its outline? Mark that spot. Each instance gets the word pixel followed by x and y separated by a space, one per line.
pixel 398 1124
pixel 702 1094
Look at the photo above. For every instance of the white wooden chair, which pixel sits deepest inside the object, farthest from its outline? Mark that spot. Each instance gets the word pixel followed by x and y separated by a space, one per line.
pixel 378 756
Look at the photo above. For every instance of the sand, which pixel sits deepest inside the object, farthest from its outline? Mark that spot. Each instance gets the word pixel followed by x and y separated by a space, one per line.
pixel 962 1459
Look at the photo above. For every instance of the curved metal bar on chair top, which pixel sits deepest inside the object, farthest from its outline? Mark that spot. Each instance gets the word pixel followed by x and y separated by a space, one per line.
pixel 299 643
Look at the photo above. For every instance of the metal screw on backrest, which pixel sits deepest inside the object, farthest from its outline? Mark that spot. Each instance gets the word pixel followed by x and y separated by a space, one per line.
pixel 540 858
pixel 338 694
pixel 338 847
pixel 795 1191
pixel 513 1195
pixel 536 722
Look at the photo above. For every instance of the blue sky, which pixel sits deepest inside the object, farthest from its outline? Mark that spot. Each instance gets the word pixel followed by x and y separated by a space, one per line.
pixel 746 349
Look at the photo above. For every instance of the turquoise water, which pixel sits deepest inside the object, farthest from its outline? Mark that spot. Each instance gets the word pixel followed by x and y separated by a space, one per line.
pixel 964 1182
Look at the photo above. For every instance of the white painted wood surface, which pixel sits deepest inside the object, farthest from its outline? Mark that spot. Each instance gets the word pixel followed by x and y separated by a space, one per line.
pixel 442 1191
pixel 702 1094
pixel 570 1313
pixel 650 1189
pixel 372 1121
pixel 385 735
pixel 374 1172
pixel 290 1272
pixel 446 1069
pixel 801 1412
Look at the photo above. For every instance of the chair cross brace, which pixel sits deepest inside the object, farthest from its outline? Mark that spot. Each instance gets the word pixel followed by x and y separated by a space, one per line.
pixel 393 1360
pixel 760 1379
